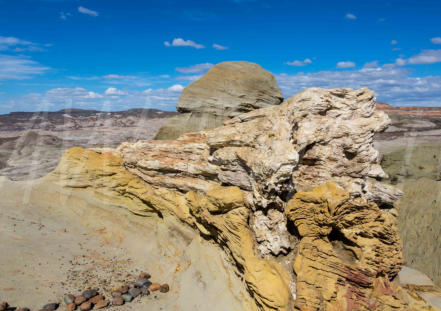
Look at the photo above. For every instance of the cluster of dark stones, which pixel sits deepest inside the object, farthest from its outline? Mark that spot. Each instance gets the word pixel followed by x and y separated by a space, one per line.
pixel 92 299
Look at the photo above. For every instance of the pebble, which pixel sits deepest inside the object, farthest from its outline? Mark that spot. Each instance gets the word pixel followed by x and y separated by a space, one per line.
pixel 127 297
pixel 101 304
pixel 89 293
pixel 79 300
pixel 69 298
pixel 116 294
pixel 164 288
pixel 95 299
pixel 154 287
pixel 144 275
pixel 71 307
pixel 145 291
pixel 86 306
pixel 143 282
pixel 3 306
pixel 51 306
pixel 124 289
pixel 117 301
pixel 134 292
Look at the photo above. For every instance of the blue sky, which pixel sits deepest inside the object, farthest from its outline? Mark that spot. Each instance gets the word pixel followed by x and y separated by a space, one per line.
pixel 116 55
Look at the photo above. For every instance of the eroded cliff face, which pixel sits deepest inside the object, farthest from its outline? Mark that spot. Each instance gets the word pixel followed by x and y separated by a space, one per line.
pixel 283 190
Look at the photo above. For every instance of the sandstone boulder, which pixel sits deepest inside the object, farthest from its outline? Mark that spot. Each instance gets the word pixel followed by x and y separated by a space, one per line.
pixel 225 91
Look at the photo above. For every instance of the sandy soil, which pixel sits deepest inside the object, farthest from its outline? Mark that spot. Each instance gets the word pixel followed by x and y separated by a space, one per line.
pixel 55 243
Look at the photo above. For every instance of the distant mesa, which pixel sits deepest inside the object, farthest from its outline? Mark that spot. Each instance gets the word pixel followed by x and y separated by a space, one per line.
pixel 225 91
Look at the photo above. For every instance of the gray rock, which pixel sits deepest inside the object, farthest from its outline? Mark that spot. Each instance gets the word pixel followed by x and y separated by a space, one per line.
pixel 145 291
pixel 51 306
pixel 134 292
pixel 89 293
pixel 143 282
pixel 127 297
pixel 69 298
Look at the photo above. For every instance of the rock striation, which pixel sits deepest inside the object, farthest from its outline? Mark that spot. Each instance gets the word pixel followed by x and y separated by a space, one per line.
pixel 225 91
pixel 286 191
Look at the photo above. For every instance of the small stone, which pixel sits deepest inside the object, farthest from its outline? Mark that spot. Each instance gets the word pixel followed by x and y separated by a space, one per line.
pixel 124 289
pixel 86 306
pixel 79 300
pixel 117 301
pixel 3 306
pixel 164 288
pixel 101 304
pixel 143 282
pixel 51 306
pixel 89 293
pixel 71 307
pixel 134 292
pixel 69 298
pixel 154 287
pixel 144 275
pixel 97 298
pixel 127 297
pixel 145 291
pixel 116 294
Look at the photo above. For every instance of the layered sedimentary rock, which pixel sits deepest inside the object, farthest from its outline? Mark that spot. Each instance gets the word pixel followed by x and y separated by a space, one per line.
pixel 240 183
pixel 225 91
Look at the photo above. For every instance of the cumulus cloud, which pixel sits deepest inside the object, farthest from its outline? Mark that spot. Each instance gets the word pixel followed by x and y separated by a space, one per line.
pixel 114 91
pixel 426 57
pixel 19 67
pixel 345 64
pixel 195 68
pixel 87 11
pixel 392 84
pixel 394 42
pixel 372 64
pixel 219 47
pixel 436 40
pixel 299 63
pixel 176 88
pixel 350 16
pixel 182 42
pixel 59 98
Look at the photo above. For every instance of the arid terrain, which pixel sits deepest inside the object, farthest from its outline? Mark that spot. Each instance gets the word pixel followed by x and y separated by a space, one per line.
pixel 77 225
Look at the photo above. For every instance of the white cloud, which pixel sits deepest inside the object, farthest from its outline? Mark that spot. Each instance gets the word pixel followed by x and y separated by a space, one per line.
pixel 182 42
pixel 436 40
pixel 176 88
pixel 18 45
pixel 65 16
pixel 114 91
pixel 195 68
pixel 372 64
pixel 299 63
pixel 189 78
pixel 60 98
pixel 219 47
pixel 19 67
pixel 346 64
pixel 350 16
pixel 392 84
pixel 426 57
pixel 87 11
pixel 394 42
pixel 118 77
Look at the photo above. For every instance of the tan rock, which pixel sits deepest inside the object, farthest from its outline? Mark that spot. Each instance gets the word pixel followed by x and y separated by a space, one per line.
pixel 101 304
pixel 349 252
pixel 86 306
pixel 154 287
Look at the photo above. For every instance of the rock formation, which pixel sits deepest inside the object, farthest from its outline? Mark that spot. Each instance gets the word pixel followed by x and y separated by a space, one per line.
pixel 284 190
pixel 225 91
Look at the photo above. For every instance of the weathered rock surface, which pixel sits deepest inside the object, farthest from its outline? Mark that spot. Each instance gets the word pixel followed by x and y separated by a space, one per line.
pixel 348 253
pixel 233 183
pixel 225 91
